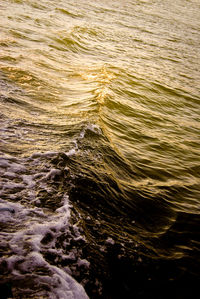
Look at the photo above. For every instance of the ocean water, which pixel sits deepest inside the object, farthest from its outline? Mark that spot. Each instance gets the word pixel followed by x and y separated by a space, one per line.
pixel 99 149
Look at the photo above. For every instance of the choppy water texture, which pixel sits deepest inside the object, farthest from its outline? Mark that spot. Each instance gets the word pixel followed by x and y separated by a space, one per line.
pixel 100 167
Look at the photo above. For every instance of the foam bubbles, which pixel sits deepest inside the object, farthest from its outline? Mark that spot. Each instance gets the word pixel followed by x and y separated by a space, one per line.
pixel 36 230
pixel 89 128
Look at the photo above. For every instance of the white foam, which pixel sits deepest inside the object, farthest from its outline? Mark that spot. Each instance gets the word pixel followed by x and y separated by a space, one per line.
pixel 53 172
pixel 110 241
pixel 45 154
pixel 91 127
pixel 26 246
pixel 9 175
pixel 61 284
pixel 17 168
pixel 6 213
pixel 68 288
pixel 30 225
pixel 94 128
pixel 83 262
pixel 28 180
pixel 4 163
pixel 71 152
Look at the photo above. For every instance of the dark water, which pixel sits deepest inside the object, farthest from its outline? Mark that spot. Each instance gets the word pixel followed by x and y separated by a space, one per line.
pixel 99 165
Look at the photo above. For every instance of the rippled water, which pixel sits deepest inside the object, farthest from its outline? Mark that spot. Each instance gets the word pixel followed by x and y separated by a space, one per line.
pixel 100 167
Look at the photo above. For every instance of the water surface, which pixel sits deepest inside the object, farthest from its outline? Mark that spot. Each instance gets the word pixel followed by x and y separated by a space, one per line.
pixel 100 167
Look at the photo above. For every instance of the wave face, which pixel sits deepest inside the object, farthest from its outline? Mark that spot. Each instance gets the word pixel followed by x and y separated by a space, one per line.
pixel 99 149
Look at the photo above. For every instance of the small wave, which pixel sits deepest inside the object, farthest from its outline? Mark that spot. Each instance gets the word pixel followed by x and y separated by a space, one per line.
pixel 69 13
pixel 68 41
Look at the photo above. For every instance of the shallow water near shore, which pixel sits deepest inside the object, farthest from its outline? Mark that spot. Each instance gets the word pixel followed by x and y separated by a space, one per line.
pixel 99 149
